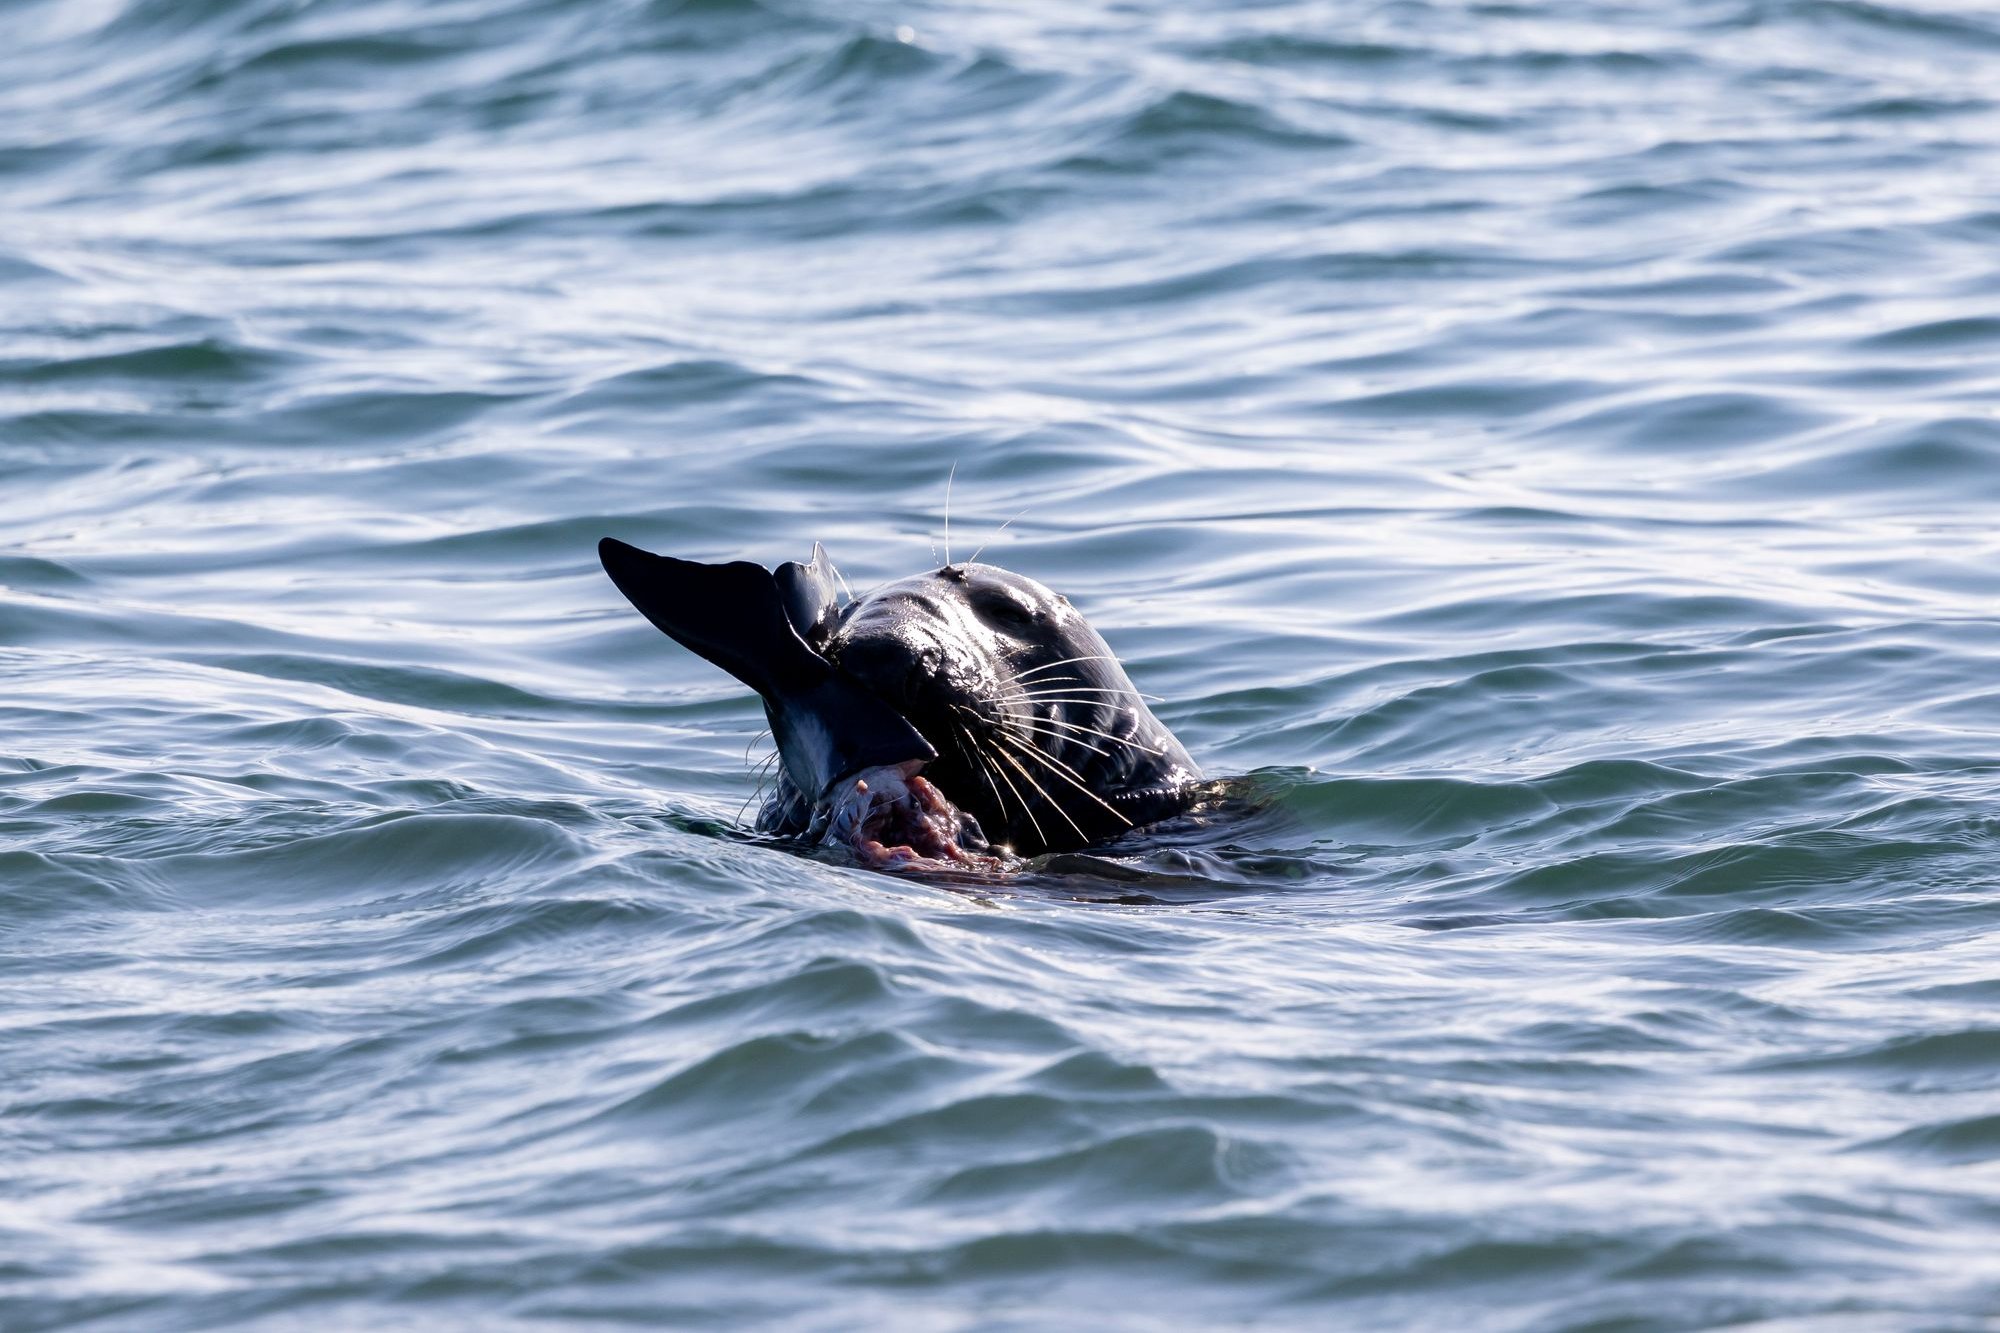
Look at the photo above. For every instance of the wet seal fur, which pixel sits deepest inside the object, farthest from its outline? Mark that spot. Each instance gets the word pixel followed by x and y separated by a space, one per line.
pixel 967 691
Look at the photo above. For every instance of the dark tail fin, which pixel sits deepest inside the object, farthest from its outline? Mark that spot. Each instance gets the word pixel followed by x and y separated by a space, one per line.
pixel 737 616
pixel 731 614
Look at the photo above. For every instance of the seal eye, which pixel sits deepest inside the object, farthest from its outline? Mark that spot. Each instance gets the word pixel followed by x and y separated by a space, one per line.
pixel 1003 610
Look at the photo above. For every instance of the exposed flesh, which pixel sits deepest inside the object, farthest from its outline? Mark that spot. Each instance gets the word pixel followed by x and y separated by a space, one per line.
pixel 892 819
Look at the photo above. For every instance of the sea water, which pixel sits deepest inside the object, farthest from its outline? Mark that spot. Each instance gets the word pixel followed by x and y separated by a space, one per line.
pixel 1544 456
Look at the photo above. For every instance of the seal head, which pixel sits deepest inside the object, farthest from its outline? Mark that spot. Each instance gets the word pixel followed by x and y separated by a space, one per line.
pixel 1013 708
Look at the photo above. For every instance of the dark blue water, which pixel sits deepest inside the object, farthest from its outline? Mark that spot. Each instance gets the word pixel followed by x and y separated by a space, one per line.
pixel 1546 457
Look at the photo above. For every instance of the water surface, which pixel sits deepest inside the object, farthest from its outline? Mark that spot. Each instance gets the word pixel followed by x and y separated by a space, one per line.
pixel 1545 457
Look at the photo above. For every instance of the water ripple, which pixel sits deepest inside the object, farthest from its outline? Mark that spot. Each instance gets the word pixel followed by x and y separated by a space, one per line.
pixel 1544 461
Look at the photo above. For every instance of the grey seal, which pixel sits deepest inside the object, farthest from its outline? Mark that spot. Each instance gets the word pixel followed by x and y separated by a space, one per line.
pixel 944 717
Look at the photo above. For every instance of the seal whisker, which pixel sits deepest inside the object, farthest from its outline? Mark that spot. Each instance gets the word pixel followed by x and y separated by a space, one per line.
pixel 1026 776
pixel 1077 685
pixel 969 748
pixel 1032 821
pixel 763 776
pixel 980 765
pixel 982 761
pixel 1043 791
pixel 1051 682
pixel 1093 731
pixel 1029 700
pixel 1073 778
pixel 1054 690
pixel 950 477
pixel 1114 705
pixel 996 532
pixel 1050 666
pixel 1077 682
pixel 1118 704
pixel 1058 736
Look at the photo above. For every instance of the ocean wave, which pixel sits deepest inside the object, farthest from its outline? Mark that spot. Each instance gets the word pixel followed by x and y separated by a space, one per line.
pixel 1542 465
